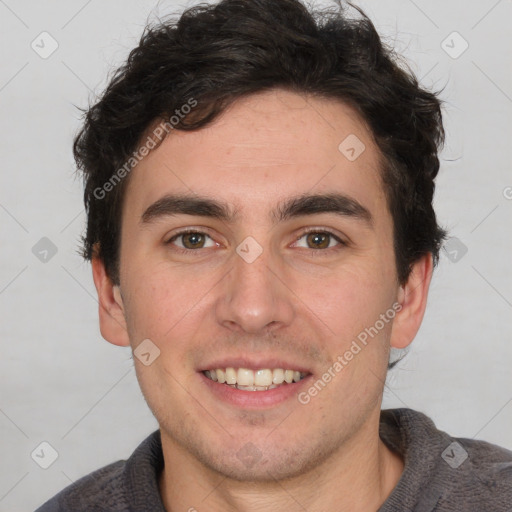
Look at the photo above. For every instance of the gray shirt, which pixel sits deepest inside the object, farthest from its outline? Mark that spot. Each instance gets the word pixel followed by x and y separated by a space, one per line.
pixel 441 474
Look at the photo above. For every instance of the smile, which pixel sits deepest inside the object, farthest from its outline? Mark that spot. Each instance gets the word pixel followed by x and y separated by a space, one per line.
pixel 260 380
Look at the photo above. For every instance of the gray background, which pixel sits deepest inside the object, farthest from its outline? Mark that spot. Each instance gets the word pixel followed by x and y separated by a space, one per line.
pixel 61 383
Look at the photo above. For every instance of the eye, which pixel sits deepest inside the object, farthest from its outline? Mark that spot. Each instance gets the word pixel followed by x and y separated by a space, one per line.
pixel 315 239
pixel 318 239
pixel 191 240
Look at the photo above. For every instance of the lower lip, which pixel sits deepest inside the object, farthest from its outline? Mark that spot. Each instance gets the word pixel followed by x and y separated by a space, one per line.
pixel 254 399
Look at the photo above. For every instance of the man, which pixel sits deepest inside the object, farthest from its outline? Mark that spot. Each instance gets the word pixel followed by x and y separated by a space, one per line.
pixel 259 184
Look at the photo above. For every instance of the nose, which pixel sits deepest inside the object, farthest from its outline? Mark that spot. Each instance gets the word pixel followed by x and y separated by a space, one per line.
pixel 254 296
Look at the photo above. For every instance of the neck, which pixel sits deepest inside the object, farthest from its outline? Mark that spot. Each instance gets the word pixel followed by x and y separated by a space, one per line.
pixel 358 477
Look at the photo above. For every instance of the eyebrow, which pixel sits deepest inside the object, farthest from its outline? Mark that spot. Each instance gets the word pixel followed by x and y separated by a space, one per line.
pixel 339 204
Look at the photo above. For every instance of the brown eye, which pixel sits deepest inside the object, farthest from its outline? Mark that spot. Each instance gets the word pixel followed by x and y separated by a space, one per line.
pixel 193 240
pixel 190 240
pixel 320 240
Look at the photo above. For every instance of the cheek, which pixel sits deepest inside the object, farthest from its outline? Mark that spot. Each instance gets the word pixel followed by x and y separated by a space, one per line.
pixel 156 303
pixel 168 304
pixel 351 300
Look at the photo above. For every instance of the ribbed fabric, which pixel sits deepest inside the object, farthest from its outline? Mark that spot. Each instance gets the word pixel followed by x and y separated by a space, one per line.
pixel 481 483
pixel 429 482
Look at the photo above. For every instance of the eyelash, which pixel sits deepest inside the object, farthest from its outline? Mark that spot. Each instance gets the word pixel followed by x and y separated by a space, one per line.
pixel 316 252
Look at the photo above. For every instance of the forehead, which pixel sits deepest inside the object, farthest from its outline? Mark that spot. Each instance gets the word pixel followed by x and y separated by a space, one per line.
pixel 262 149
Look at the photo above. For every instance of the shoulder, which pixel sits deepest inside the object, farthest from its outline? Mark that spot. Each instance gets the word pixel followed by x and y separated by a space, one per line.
pixel 100 490
pixel 122 486
pixel 482 470
pixel 450 473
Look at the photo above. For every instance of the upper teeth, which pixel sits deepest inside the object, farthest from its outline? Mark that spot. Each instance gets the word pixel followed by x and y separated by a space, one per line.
pixel 247 377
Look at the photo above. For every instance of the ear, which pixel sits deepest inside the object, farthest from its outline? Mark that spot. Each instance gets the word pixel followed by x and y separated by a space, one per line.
pixel 412 296
pixel 111 309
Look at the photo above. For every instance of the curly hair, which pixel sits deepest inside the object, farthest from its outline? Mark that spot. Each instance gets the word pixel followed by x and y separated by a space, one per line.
pixel 215 54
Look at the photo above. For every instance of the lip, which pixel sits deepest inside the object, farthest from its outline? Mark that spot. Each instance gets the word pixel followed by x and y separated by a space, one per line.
pixel 254 399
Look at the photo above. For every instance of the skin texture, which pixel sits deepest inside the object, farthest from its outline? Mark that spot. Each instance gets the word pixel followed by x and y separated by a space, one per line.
pixel 295 302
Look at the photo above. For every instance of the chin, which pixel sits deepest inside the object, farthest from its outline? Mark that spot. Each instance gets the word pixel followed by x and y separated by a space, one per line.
pixel 261 463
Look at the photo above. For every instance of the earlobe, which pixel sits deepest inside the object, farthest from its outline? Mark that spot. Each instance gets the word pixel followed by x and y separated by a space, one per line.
pixel 111 308
pixel 412 296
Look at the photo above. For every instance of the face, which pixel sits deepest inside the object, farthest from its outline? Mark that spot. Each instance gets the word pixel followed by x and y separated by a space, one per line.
pixel 267 278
